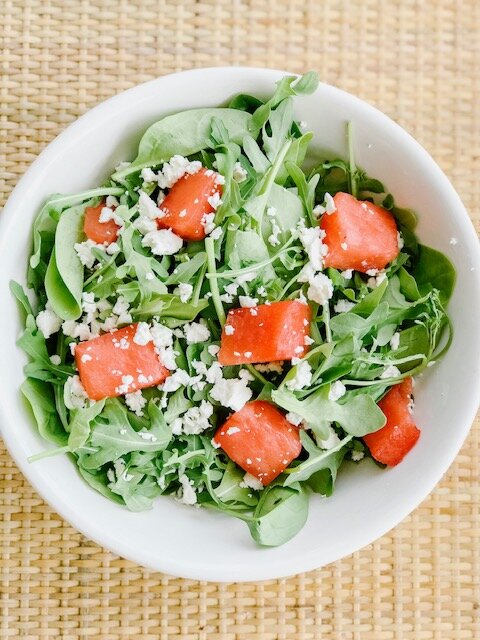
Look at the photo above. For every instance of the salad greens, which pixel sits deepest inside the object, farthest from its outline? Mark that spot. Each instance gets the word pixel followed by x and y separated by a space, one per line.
pixel 369 334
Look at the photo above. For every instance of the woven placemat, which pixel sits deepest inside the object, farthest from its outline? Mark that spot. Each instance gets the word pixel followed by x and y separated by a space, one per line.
pixel 417 61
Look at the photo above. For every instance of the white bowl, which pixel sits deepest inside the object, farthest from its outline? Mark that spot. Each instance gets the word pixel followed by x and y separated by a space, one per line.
pixel 367 502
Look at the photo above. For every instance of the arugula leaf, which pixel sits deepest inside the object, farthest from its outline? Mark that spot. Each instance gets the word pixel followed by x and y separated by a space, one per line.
pixel 319 460
pixel 40 397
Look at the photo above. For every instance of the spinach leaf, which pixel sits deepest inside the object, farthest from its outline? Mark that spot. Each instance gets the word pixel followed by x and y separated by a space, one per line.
pixel 280 514
pixel 434 270
pixel 39 396
pixel 184 133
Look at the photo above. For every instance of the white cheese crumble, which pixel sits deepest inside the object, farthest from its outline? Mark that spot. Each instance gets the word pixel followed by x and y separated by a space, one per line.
pixel 229 330
pixel 233 393
pixel 273 237
pixel 208 223
pixel 247 301
pixel 311 239
pixel 194 421
pixel 343 306
pixel 213 349
pixel 337 390
pixel 162 242
pixel 185 291
pixel 320 289
pixel 84 252
pixel 239 173
pixel 179 378
pixel 303 377
pixel 142 335
pixel 188 493
pixel 347 274
pixel 332 441
pixel 294 418
pixel 48 322
pixel 107 214
pixel 196 332
pixel 216 234
pixel 395 341
pixel 376 281
pixel 357 455
pixel 135 402
pixel 390 372
pixel 251 482
pixel 56 360
pixel 214 200
pixel 175 169
pixel 344 246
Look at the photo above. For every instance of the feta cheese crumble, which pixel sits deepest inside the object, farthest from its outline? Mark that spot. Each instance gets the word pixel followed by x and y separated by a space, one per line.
pixel 48 322
pixel 303 376
pixel 196 332
pixel 135 402
pixel 188 494
pixel 185 291
pixel 390 372
pixel 251 482
pixel 337 390
pixel 162 242
pixel 320 289
pixel 233 393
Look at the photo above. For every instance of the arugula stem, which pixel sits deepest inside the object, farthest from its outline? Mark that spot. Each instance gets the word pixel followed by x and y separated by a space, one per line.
pixel 198 286
pixel 326 321
pixel 49 453
pixel 212 274
pixel 351 160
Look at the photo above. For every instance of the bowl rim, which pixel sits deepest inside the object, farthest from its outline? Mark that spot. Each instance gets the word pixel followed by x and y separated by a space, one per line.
pixel 170 565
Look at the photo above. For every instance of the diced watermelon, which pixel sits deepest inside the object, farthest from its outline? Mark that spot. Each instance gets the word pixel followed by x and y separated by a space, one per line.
pixel 265 333
pixel 391 444
pixel 99 232
pixel 113 364
pixel 359 235
pixel 187 202
pixel 260 440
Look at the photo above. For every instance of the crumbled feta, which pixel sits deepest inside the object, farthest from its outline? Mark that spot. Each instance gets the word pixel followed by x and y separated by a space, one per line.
pixel 239 173
pixel 337 390
pixel 261 291
pixel 147 208
pixel 86 358
pixel 142 334
pixel 251 482
pixel 107 214
pixel 48 322
pixel 124 388
pixel 376 281
pixel 294 418
pixel 347 274
pixel 216 234
pixel 112 201
pixel 214 374
pixel 357 455
pixel 303 377
pixel 208 223
pixel 175 169
pixel 196 332
pixel 179 378
pixel 395 341
pixel 148 175
pixel 188 493
pixel 307 341
pixel 85 253
pixel 343 306
pixel 135 402
pixel 390 372
pixel 231 431
pixel 247 301
pixel 320 289
pixel 332 441
pixel 273 237
pixel 311 239
pixel 214 200
pixel 185 291
pixel 344 246
pixel 194 421
pixel 229 330
pixel 213 349
pixel 162 336
pixel 271 212
pixel 162 242
pixel 232 393
pixel 55 359
pixel 231 288
pixel 112 248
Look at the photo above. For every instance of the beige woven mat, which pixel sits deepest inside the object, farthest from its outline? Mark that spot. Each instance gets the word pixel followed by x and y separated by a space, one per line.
pixel 417 60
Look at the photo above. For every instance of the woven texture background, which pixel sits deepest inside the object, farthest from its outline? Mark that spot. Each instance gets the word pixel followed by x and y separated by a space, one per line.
pixel 419 61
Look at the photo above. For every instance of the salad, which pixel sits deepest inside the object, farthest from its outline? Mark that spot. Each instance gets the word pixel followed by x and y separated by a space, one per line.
pixel 227 322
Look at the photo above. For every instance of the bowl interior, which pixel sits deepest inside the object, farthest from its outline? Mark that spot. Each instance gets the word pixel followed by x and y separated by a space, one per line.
pixel 367 502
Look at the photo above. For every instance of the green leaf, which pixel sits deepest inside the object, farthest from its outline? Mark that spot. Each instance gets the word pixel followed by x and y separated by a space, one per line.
pixel 434 270
pixel 97 479
pixel 64 278
pixel 280 514
pixel 357 415
pixel 80 424
pixel 185 134
pixel 229 489
pixel 39 396
pixel 185 271
pixel 318 460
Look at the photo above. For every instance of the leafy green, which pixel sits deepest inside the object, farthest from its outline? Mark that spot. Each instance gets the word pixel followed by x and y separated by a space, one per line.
pixel 434 269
